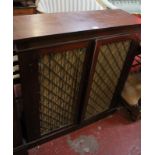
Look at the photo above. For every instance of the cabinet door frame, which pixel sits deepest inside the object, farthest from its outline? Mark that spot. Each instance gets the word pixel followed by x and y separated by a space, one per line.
pixel 28 61
pixel 134 47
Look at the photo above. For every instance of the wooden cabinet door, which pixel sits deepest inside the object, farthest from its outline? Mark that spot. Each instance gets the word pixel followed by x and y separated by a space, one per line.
pixel 52 86
pixel 111 62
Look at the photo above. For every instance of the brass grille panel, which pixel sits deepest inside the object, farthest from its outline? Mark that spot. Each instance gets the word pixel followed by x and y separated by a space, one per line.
pixel 59 77
pixel 110 61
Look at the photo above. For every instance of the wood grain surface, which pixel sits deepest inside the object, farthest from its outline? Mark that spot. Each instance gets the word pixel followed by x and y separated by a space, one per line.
pixel 41 25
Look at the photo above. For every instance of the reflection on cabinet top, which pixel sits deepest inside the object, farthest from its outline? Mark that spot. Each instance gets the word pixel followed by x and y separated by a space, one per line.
pixel 42 25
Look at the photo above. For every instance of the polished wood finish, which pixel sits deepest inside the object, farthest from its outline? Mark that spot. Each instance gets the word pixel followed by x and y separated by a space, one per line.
pixel 28 71
pixel 24 7
pixel 24 11
pixel 17 131
pixel 17 135
pixel 35 35
pixel 43 25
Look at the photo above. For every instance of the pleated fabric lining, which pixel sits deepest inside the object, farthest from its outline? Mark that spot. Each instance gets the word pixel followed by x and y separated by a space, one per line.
pixel 59 77
pixel 107 72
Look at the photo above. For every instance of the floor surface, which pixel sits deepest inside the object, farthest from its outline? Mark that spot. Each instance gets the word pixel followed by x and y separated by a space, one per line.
pixel 115 135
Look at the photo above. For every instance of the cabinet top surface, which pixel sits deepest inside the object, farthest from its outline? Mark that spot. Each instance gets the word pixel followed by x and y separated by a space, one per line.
pixel 41 25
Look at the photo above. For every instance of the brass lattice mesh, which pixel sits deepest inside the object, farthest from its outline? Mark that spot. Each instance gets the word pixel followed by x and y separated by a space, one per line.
pixel 59 76
pixel 107 71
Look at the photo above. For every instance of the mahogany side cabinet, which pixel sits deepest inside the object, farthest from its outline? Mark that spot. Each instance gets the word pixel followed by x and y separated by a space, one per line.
pixel 73 67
